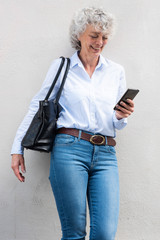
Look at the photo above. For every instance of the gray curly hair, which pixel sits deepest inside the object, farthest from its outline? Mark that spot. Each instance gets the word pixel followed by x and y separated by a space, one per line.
pixel 95 16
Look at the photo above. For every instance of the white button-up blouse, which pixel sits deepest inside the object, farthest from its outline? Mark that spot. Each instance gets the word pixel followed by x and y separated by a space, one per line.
pixel 87 103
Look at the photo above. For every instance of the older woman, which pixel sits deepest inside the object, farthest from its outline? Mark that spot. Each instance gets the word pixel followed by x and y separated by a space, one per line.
pixel 83 160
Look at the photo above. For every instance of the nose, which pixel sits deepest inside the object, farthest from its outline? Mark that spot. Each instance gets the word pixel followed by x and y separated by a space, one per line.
pixel 99 41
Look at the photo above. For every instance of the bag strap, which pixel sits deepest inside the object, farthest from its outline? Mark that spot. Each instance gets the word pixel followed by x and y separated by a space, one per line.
pixel 55 79
pixel 63 81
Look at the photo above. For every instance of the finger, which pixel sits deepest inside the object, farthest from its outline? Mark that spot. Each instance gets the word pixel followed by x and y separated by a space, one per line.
pixel 19 175
pixel 123 109
pixel 131 103
pixel 23 167
pixel 127 107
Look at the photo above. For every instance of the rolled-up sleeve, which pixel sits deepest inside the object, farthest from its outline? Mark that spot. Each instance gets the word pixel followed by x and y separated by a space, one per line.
pixel 119 124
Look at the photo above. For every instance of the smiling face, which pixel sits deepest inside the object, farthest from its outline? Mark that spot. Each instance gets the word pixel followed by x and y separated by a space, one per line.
pixel 92 41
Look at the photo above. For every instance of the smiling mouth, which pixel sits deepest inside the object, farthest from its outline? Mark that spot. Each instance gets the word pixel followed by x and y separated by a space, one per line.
pixel 96 48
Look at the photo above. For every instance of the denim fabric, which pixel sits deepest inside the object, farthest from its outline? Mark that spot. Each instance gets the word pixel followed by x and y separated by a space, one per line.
pixel 80 171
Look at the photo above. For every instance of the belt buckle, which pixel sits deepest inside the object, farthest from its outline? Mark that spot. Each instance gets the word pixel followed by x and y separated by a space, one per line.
pixel 92 139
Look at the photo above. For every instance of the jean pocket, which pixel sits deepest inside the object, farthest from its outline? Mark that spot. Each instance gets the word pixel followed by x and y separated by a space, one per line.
pixel 111 149
pixel 64 139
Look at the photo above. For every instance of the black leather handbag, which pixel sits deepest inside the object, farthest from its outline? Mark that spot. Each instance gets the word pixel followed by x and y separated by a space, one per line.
pixel 42 130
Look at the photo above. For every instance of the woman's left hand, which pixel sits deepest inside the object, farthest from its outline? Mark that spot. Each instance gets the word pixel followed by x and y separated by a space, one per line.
pixel 126 110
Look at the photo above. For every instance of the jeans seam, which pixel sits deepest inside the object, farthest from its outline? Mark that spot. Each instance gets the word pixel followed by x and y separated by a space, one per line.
pixel 91 214
pixel 60 199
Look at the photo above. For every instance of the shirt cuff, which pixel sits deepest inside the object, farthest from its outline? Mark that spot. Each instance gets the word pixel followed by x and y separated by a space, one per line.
pixel 17 149
pixel 119 124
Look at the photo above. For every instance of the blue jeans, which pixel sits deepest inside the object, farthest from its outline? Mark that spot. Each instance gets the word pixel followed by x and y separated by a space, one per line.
pixel 80 171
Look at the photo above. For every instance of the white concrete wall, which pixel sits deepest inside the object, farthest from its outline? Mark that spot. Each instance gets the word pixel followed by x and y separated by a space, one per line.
pixel 32 34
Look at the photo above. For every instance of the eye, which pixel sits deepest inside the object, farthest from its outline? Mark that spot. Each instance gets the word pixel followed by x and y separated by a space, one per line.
pixel 105 38
pixel 93 36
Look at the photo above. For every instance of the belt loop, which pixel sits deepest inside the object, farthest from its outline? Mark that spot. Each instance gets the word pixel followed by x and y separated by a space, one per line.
pixel 106 140
pixel 79 136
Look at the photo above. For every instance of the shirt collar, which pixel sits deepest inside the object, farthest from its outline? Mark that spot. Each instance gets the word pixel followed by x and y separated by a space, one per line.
pixel 76 61
pixel 102 62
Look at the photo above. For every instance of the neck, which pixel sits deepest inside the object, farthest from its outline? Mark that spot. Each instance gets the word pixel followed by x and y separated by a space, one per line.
pixel 89 62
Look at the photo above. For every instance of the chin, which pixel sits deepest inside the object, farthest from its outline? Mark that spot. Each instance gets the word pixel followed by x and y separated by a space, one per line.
pixel 97 54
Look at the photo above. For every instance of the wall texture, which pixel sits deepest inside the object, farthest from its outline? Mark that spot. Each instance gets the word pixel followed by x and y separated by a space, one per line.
pixel 33 33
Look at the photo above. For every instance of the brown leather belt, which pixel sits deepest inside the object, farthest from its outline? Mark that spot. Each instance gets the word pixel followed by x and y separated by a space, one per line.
pixel 94 139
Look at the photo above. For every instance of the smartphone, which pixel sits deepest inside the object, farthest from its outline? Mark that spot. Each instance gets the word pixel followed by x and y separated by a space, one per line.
pixel 129 94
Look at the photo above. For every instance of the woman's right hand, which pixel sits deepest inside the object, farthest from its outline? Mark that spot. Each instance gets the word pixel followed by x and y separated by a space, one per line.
pixel 18 161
